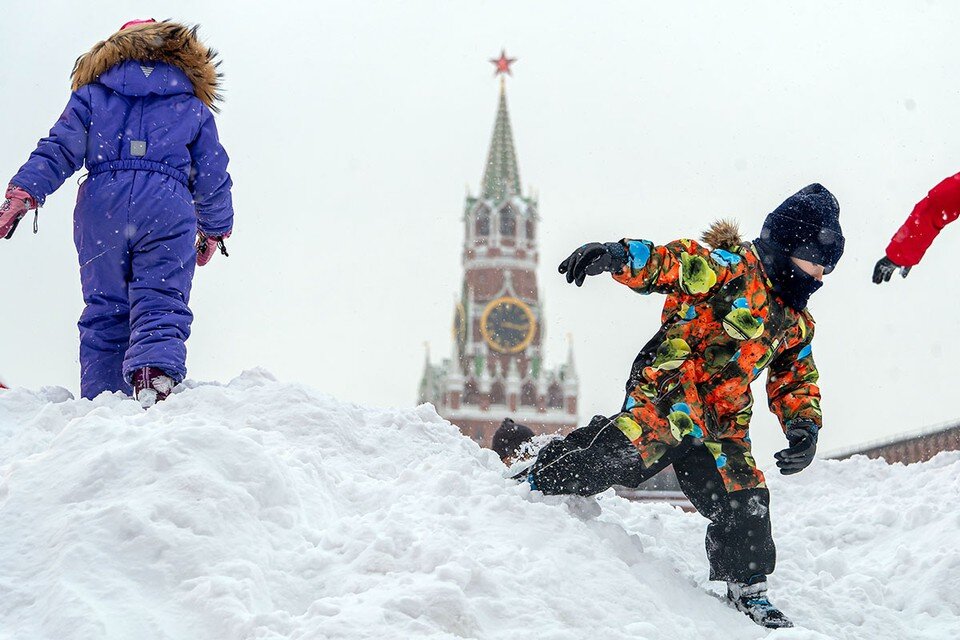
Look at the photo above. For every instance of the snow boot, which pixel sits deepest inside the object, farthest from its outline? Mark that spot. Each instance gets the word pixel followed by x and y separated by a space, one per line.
pixel 151 385
pixel 751 599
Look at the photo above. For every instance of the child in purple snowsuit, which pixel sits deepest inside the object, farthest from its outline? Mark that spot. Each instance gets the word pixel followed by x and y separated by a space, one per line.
pixel 156 201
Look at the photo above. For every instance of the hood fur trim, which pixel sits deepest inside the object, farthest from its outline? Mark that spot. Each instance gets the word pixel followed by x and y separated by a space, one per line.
pixel 169 42
pixel 723 234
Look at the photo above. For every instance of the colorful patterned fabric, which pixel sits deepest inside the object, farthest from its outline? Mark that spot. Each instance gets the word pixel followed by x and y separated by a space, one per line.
pixel 722 326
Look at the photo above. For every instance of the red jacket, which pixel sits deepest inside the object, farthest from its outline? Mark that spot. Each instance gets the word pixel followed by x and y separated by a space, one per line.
pixel 933 213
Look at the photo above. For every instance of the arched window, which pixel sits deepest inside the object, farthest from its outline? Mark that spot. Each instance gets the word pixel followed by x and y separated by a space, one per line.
pixel 483 223
pixel 470 393
pixel 497 395
pixel 531 230
pixel 508 222
pixel 555 396
pixel 528 395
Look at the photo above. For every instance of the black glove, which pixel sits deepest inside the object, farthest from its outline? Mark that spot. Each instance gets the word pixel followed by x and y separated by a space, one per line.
pixel 802 437
pixel 885 268
pixel 593 258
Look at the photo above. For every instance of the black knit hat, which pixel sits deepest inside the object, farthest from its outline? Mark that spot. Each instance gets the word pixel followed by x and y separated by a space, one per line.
pixel 807 226
pixel 510 437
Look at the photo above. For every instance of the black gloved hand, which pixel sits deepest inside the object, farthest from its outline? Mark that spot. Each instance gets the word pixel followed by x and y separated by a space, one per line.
pixel 593 258
pixel 885 268
pixel 802 437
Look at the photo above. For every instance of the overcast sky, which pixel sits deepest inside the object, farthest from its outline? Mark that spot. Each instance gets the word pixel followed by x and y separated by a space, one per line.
pixel 353 128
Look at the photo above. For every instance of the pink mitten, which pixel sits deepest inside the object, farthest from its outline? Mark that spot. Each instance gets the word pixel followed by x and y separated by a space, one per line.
pixel 16 205
pixel 207 247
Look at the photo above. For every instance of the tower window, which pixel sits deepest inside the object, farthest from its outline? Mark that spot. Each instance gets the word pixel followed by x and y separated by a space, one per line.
pixel 508 222
pixel 528 395
pixel 555 396
pixel 497 395
pixel 531 230
pixel 470 393
pixel 483 223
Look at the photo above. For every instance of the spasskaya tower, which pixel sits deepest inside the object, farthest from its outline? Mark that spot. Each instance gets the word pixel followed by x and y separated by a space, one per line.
pixel 497 366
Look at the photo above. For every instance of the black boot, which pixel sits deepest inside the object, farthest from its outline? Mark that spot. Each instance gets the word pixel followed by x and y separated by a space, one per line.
pixel 587 461
pixel 752 600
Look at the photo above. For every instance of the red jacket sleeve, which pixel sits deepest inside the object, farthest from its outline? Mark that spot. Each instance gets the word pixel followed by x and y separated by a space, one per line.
pixel 933 213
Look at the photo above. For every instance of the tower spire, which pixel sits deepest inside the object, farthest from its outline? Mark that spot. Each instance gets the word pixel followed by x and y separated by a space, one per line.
pixel 497 362
pixel 501 176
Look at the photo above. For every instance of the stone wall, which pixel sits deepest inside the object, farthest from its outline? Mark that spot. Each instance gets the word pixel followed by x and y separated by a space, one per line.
pixel 915 448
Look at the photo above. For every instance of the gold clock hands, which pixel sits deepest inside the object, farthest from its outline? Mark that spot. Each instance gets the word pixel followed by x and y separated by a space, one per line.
pixel 518 327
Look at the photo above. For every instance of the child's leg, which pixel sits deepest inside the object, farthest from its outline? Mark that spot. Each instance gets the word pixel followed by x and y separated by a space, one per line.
pixel 589 460
pixel 739 541
pixel 104 272
pixel 164 259
pixel 104 335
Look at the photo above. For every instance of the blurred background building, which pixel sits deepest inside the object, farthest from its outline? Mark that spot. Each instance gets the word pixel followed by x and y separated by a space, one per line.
pixel 497 369
pixel 915 446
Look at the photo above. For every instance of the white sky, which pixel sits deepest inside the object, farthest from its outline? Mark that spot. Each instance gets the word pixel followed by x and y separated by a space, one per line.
pixel 354 126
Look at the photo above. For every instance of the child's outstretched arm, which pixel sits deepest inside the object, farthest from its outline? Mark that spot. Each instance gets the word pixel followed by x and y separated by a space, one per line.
pixel 61 153
pixel 682 267
pixel 210 183
pixel 914 237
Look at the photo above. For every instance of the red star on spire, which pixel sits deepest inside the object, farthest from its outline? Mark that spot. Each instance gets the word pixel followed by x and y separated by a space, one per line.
pixel 503 63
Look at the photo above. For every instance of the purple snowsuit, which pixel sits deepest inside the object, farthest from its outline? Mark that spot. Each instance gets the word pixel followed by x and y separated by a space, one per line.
pixel 157 172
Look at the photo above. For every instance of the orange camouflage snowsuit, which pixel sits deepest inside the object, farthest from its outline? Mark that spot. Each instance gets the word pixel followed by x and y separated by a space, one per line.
pixel 722 326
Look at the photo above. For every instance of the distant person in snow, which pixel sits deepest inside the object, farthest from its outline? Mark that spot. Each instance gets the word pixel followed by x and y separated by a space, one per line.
pixel 911 241
pixel 732 311
pixel 509 439
pixel 155 203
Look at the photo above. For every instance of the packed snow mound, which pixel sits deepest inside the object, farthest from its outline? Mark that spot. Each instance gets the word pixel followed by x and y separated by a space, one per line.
pixel 259 509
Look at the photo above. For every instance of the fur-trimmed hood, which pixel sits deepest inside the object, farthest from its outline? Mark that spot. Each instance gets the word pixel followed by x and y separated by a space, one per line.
pixel 159 42
pixel 723 234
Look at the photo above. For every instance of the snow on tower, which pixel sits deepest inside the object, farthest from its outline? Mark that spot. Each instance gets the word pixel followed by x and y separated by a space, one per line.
pixel 497 369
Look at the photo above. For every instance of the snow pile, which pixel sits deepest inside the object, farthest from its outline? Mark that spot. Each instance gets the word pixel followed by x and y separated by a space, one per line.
pixel 265 510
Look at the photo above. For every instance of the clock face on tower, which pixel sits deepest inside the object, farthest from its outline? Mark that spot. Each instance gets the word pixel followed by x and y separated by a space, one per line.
pixel 508 325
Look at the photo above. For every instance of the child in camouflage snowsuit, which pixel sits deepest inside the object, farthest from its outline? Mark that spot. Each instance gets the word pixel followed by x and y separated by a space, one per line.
pixel 732 311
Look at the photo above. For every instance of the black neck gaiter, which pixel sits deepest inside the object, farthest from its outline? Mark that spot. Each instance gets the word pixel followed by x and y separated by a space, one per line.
pixel 789 281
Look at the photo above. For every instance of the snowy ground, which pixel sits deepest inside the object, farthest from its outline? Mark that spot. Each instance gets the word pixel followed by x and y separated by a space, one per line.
pixel 266 510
